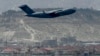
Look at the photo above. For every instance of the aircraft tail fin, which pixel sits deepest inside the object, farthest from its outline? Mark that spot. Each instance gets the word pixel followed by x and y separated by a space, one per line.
pixel 27 9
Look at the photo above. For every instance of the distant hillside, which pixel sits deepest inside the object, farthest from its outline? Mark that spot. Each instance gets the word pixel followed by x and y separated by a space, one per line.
pixel 84 25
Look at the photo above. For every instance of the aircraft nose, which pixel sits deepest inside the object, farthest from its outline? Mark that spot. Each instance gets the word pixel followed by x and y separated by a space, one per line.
pixel 73 10
pixel 70 11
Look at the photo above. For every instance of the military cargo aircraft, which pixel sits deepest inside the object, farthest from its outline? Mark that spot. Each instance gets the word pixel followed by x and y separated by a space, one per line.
pixel 44 14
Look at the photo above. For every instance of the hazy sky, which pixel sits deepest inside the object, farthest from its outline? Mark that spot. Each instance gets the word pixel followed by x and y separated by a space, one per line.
pixel 13 4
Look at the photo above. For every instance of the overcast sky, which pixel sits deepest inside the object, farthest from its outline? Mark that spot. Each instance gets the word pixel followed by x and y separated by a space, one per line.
pixel 13 4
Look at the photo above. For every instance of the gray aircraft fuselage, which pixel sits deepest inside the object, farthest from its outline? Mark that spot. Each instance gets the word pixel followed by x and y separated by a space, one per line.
pixel 53 14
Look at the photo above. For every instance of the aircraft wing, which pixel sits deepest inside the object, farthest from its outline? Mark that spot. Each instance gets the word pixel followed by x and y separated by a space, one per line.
pixel 54 11
pixel 62 12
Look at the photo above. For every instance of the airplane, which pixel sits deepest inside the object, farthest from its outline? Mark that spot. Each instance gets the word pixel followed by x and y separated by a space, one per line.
pixel 44 14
